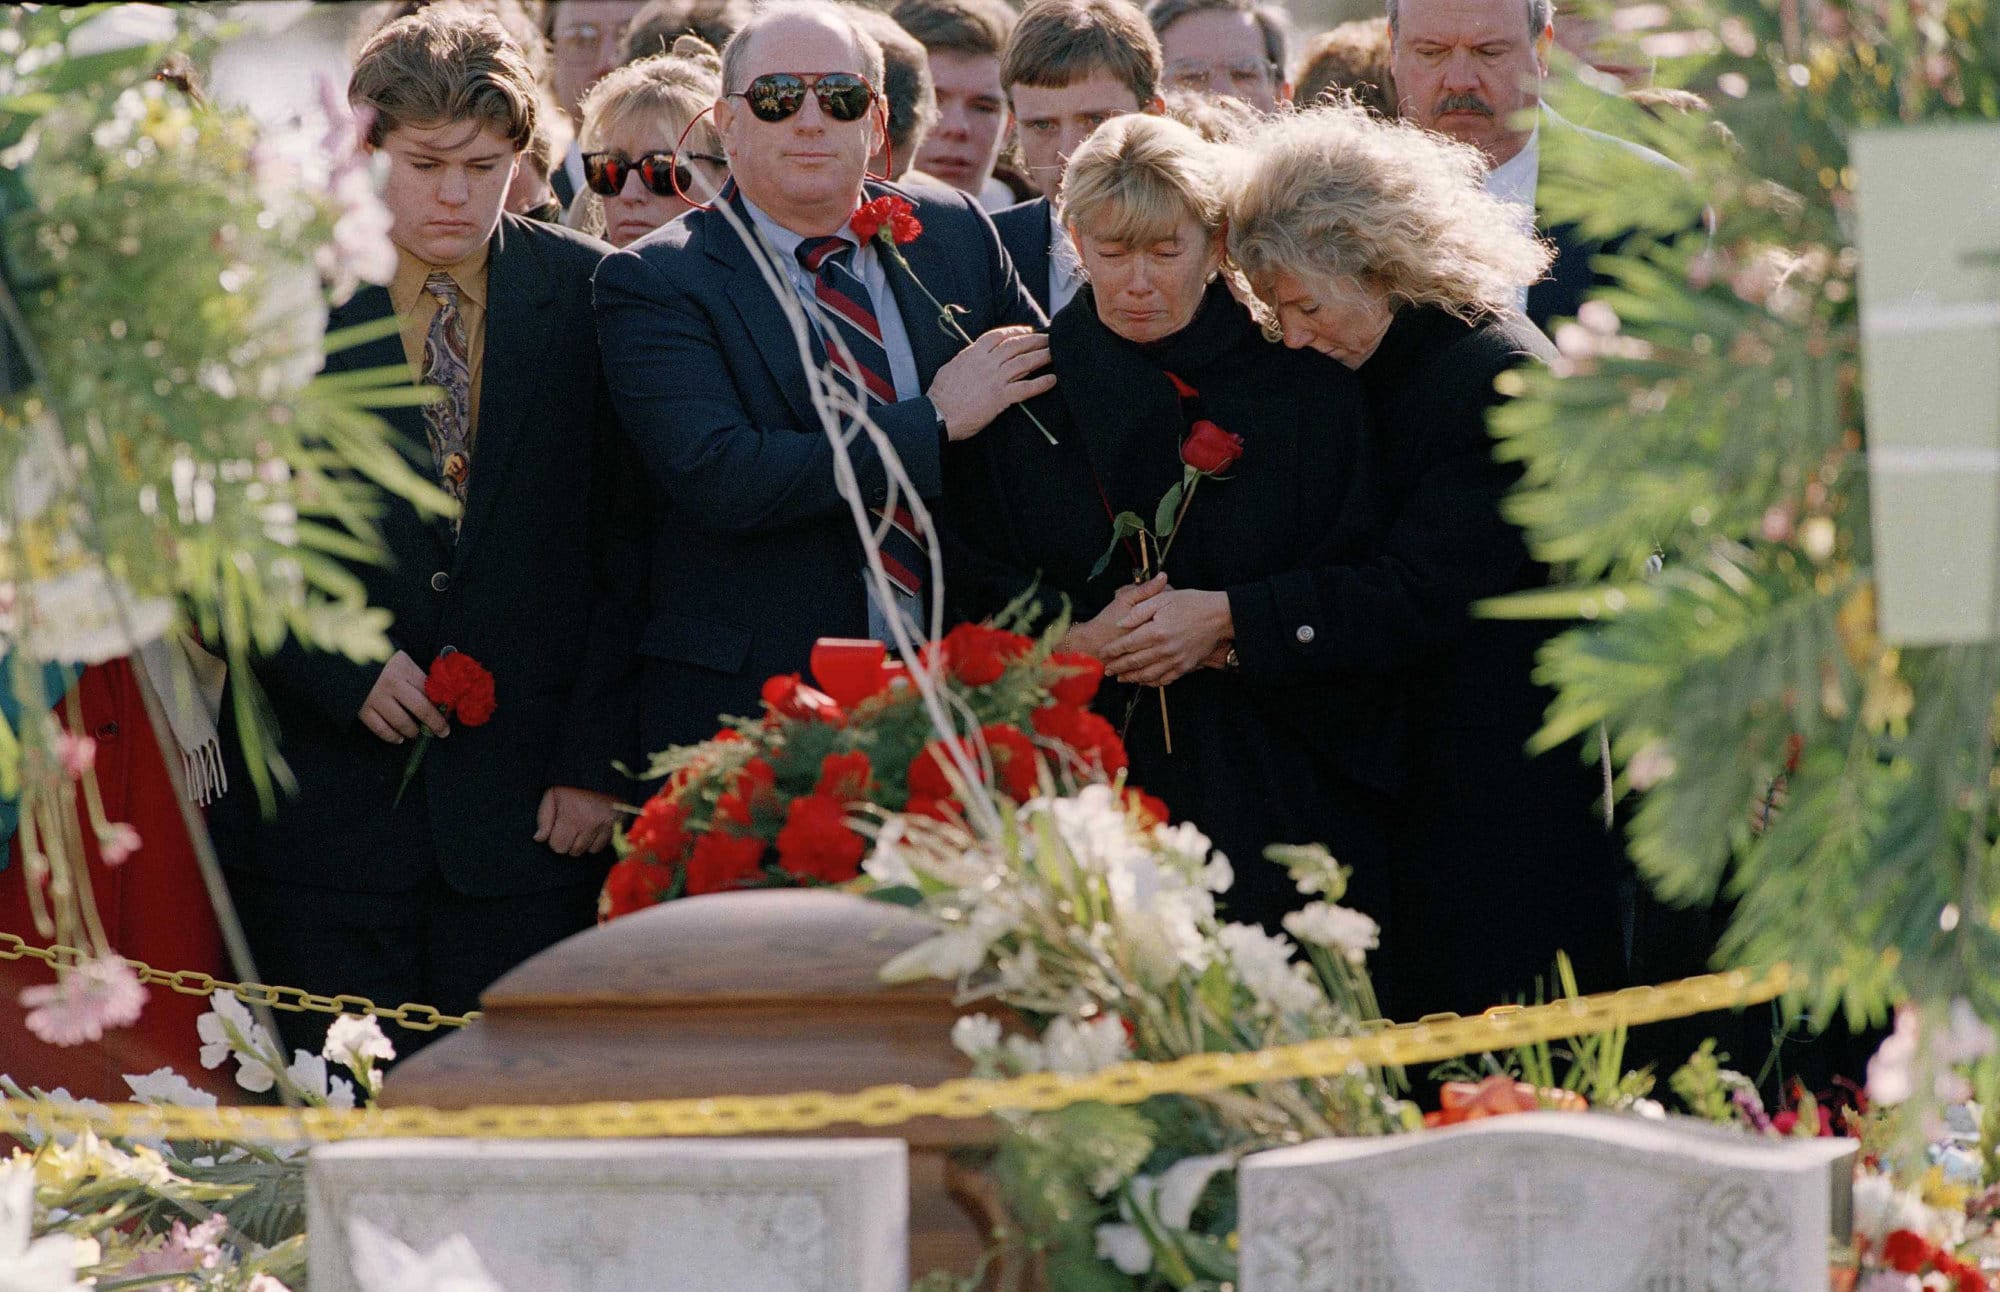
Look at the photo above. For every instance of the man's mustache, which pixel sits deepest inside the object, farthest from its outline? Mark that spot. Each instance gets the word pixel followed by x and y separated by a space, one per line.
pixel 1464 103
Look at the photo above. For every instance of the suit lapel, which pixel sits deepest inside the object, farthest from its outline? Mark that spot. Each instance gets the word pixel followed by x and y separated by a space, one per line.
pixel 371 305
pixel 517 325
pixel 931 346
pixel 758 306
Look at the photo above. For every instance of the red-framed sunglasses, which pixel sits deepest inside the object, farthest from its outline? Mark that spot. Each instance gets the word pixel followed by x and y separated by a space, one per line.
pixel 776 96
pixel 665 174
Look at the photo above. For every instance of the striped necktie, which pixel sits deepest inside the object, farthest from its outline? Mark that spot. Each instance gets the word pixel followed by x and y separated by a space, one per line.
pixel 853 337
pixel 448 421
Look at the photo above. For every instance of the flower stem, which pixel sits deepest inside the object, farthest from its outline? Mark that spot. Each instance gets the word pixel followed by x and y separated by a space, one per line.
pixel 424 739
pixel 949 321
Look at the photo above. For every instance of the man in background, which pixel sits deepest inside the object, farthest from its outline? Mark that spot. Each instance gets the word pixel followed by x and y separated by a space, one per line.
pixel 964 40
pixel 589 40
pixel 1225 48
pixel 907 95
pixel 1071 66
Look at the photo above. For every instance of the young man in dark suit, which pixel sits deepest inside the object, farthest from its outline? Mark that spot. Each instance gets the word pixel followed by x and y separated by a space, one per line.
pixel 758 552
pixel 1071 66
pixel 496 848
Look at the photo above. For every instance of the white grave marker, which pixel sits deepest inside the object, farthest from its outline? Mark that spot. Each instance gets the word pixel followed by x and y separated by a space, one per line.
pixel 741 1215
pixel 1545 1202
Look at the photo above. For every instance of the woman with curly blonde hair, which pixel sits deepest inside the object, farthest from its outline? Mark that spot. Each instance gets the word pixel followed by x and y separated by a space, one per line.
pixel 1156 357
pixel 1375 243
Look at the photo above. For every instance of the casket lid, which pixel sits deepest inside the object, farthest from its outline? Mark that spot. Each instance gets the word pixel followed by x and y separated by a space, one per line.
pixel 726 949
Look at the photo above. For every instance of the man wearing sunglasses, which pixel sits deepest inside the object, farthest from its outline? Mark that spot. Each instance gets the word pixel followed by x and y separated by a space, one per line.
pixel 757 554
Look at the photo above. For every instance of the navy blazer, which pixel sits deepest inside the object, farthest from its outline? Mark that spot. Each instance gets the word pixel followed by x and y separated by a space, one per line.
pixel 1025 230
pixel 540 587
pixel 756 554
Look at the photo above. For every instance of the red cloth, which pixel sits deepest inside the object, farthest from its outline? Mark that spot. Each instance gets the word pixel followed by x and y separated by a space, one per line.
pixel 154 909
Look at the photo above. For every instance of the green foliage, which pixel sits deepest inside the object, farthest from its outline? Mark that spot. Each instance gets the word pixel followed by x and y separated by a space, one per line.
pixel 164 270
pixel 1058 1169
pixel 1707 407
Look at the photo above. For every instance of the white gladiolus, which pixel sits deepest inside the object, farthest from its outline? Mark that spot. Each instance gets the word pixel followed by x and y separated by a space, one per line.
pixel 356 1041
pixel 975 1035
pixel 165 1086
pixel 1081 1047
pixel 308 1072
pixel 1264 961
pixel 1337 928
pixel 254 1073
pixel 27 1263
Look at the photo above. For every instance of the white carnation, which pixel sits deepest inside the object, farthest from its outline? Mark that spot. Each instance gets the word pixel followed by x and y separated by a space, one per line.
pixel 356 1040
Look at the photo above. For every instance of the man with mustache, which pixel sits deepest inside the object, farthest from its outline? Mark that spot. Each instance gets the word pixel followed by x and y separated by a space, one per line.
pixel 1473 69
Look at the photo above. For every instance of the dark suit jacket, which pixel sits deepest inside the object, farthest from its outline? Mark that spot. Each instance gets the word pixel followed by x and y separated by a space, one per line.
pixel 1571 279
pixel 535 589
pixel 757 556
pixel 1025 230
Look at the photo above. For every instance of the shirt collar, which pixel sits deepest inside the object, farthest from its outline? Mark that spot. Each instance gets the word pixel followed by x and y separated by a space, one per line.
pixel 1514 179
pixel 783 240
pixel 469 274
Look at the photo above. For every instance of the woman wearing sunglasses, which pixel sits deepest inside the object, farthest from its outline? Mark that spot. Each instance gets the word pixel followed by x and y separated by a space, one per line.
pixel 642 166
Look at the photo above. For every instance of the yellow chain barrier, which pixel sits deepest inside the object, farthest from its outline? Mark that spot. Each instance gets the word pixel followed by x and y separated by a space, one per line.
pixel 1430 1040
pixel 191 982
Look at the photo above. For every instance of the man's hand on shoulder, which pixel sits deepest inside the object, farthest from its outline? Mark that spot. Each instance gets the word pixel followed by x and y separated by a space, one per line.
pixel 575 822
pixel 984 380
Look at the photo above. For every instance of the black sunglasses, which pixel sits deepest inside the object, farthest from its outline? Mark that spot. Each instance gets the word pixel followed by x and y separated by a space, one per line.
pixel 662 173
pixel 775 96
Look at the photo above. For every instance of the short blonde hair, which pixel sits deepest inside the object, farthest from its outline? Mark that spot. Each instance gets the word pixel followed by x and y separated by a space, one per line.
pixel 1333 193
pixel 672 88
pixel 1137 177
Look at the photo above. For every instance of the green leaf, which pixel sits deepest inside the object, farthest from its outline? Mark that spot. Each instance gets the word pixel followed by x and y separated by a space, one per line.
pixel 1123 525
pixel 1170 505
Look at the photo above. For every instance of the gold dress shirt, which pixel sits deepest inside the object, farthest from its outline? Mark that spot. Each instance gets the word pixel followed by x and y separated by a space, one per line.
pixel 415 308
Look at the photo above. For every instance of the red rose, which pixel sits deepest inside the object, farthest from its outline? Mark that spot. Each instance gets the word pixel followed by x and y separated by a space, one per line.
pixel 1078 680
pixel 722 862
pixel 790 697
pixel 461 686
pixel 1907 1251
pixel 816 842
pixel 753 781
pixel 845 777
pixel 892 213
pixel 1093 740
pixel 660 832
pixel 977 655
pixel 634 884
pixel 1209 449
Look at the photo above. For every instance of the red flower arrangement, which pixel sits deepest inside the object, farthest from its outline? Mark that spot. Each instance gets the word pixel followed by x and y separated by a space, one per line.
pixel 1470 1101
pixel 462 689
pixel 775 801
pixel 1909 1252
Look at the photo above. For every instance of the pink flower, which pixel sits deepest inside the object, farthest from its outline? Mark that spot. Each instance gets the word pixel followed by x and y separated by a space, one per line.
pixel 93 996
pixel 185 1251
pixel 118 844
pixel 78 754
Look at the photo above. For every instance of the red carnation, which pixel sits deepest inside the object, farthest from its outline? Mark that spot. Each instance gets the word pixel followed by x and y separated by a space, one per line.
pixel 461 686
pixel 1078 680
pixel 816 842
pixel 722 862
pixel 753 781
pixel 977 654
pixel 1209 449
pixel 846 777
pixel 660 832
pixel 888 212
pixel 634 884
pixel 788 696
pixel 1014 760
pixel 1093 740
pixel 1907 1251
pixel 1149 809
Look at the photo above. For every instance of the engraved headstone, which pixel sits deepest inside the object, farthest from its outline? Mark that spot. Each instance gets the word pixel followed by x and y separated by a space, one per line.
pixel 794 1215
pixel 1540 1201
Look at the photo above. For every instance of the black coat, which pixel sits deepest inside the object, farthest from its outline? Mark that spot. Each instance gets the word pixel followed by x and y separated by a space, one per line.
pixel 1025 230
pixel 1500 859
pixel 1259 756
pixel 538 588
pixel 757 553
